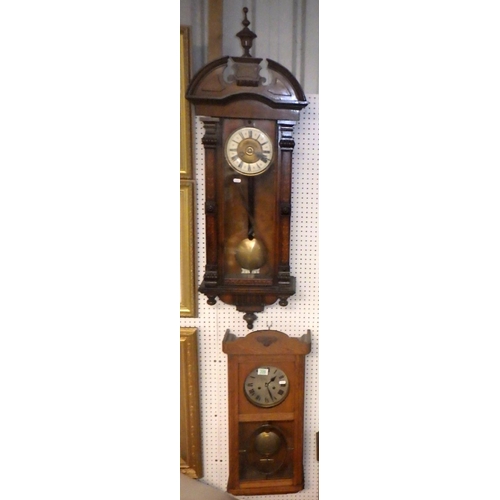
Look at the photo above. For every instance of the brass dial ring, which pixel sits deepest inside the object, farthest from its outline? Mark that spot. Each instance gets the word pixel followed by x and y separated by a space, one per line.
pixel 249 150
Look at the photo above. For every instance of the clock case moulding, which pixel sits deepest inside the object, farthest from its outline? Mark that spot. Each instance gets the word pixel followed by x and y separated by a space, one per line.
pixel 228 93
pixel 260 465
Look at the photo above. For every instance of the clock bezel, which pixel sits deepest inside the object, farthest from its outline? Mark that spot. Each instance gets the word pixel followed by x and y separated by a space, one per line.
pixel 272 404
pixel 237 168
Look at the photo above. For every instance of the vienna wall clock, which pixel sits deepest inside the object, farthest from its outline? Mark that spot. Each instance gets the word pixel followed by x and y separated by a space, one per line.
pixel 248 107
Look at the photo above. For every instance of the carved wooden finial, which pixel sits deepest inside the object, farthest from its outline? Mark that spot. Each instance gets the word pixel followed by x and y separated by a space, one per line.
pixel 246 35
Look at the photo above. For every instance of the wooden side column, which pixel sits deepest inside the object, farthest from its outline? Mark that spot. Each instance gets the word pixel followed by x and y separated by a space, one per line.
pixel 210 140
pixel 286 144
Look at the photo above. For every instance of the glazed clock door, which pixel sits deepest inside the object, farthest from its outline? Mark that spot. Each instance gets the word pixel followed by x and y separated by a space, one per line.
pixel 249 211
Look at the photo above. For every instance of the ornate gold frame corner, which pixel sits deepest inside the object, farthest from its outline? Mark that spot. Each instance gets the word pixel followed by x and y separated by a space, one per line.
pixel 190 418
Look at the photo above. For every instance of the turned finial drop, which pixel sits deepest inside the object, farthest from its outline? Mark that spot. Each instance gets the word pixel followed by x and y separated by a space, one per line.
pixel 245 21
pixel 246 35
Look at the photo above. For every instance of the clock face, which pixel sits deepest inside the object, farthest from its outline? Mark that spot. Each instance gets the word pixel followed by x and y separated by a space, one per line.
pixel 266 386
pixel 249 151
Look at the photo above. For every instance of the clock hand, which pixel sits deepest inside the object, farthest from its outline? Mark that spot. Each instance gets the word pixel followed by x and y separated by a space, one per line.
pixel 261 156
pixel 269 391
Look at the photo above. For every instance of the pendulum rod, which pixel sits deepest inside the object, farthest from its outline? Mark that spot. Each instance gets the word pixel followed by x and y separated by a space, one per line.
pixel 251 208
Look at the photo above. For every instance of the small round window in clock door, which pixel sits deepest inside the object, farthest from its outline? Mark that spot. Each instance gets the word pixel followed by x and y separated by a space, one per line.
pixel 266 453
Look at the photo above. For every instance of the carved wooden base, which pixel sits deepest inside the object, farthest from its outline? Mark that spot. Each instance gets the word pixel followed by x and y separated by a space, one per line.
pixel 249 300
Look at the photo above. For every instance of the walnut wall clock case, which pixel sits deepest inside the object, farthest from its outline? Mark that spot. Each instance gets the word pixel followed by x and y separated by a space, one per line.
pixel 249 107
pixel 266 411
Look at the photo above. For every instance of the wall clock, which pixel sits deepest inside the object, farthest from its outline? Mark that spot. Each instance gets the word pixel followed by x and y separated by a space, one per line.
pixel 248 107
pixel 266 411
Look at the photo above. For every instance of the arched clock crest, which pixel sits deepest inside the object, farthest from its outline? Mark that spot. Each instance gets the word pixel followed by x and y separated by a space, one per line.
pixel 249 107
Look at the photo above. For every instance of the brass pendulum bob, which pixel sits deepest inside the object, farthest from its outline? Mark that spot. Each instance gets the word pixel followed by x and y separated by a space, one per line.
pixel 250 254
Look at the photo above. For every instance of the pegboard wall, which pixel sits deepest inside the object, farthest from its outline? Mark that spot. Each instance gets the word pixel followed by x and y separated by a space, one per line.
pixel 301 313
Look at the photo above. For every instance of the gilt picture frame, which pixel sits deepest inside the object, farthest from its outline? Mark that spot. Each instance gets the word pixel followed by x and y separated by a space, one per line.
pixel 186 143
pixel 188 296
pixel 190 419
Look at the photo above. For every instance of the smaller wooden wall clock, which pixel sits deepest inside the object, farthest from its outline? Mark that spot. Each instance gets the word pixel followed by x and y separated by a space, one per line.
pixel 266 372
pixel 248 107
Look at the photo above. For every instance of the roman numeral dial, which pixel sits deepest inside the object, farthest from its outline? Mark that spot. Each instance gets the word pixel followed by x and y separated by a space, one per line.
pixel 249 151
pixel 266 386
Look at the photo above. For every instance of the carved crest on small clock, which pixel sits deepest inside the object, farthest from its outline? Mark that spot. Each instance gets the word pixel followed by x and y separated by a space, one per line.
pixel 266 340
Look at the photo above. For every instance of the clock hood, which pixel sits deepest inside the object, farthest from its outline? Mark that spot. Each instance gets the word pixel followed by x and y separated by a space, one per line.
pixel 228 79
